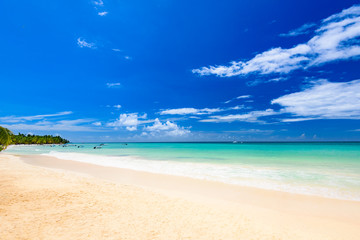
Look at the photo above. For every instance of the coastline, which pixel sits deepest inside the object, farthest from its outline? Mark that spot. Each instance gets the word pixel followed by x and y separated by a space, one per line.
pixel 316 170
pixel 253 213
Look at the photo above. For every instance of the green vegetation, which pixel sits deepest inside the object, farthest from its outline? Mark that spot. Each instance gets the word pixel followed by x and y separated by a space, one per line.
pixel 7 138
pixel 36 139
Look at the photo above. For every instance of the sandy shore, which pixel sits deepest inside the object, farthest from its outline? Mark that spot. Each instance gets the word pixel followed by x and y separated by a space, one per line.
pixel 48 198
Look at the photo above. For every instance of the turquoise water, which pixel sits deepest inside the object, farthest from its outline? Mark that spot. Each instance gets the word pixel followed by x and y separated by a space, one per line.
pixel 322 169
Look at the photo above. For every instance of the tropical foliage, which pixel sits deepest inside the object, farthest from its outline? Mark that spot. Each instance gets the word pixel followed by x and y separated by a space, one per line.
pixel 7 138
pixel 36 139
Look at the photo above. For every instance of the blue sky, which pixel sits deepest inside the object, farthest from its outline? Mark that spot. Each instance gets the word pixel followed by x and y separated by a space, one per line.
pixel 181 70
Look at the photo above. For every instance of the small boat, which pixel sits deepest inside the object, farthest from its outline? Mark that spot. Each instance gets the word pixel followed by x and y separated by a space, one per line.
pixel 97 147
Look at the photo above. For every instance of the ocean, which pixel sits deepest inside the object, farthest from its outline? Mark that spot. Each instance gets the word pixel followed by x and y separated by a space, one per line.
pixel 329 170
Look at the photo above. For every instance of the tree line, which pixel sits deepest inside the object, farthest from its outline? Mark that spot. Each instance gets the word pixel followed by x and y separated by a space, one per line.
pixel 8 138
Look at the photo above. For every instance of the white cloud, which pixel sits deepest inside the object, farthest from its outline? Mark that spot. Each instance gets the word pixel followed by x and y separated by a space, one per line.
pixel 97 123
pixel 320 100
pixel 337 38
pixel 239 97
pixel 195 111
pixel 186 111
pixel 116 50
pixel 129 121
pixel 167 128
pixel 298 119
pixel 276 60
pixel 238 107
pixel 246 117
pixel 144 116
pixel 13 119
pixel 48 122
pixel 117 106
pixel 133 128
pixel 323 100
pixel 77 125
pixel 102 13
pixel 113 85
pixel 98 2
pixel 243 96
pixel 278 79
pixel 82 43
pixel 352 11
pixel 304 29
pixel 127 57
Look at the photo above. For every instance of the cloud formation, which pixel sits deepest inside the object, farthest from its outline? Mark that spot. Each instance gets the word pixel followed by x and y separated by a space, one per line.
pixel 252 116
pixel 76 125
pixel 129 121
pixel 132 121
pixel 83 44
pixel 99 6
pixel 319 100
pixel 304 29
pixel 167 128
pixel 113 85
pixel 202 111
pixel 102 13
pixel 239 97
pixel 97 123
pixel 98 2
pixel 49 123
pixel 323 100
pixel 193 111
pixel 337 38
pixel 14 119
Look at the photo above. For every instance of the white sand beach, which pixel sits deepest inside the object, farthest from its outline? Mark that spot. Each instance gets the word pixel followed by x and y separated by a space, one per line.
pixel 48 198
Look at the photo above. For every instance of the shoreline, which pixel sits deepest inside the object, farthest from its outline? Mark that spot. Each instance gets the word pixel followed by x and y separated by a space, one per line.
pixel 191 187
pixel 315 170
pixel 113 164
pixel 271 211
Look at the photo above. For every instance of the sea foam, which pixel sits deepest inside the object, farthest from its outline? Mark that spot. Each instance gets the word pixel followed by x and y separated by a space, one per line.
pixel 272 178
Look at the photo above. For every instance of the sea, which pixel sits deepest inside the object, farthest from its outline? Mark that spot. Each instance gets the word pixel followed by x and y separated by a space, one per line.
pixel 326 169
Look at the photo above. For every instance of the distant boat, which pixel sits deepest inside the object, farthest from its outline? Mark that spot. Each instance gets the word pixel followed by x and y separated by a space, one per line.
pixel 97 147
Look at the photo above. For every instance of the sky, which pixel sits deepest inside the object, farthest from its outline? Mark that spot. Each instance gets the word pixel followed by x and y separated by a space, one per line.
pixel 166 70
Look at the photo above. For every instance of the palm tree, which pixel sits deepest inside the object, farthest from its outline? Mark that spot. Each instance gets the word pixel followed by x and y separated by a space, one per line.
pixel 5 138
